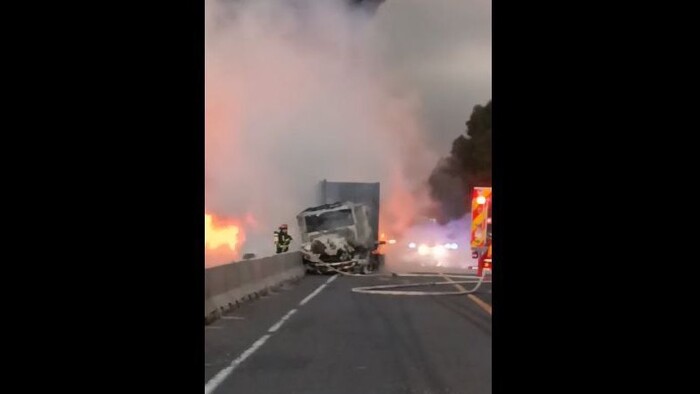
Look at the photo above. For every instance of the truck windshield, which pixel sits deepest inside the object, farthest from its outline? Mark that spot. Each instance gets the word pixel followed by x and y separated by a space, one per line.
pixel 329 220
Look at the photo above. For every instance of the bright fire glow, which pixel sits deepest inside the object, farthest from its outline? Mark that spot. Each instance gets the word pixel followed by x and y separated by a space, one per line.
pixel 439 251
pixel 219 235
pixel 423 250
pixel 481 200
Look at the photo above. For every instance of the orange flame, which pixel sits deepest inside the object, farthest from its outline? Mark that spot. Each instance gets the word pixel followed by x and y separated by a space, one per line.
pixel 222 237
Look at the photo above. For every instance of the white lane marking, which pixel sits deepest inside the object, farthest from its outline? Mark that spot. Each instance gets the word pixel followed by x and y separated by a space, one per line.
pixel 312 295
pixel 214 382
pixel 282 320
pixel 233 317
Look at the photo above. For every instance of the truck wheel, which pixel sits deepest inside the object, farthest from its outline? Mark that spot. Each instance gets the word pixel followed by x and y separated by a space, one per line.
pixel 374 262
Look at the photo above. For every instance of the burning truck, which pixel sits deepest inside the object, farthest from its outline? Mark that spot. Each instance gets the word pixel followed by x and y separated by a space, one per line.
pixel 342 235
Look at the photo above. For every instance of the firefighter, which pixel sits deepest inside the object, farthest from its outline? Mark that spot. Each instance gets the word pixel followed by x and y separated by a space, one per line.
pixel 282 239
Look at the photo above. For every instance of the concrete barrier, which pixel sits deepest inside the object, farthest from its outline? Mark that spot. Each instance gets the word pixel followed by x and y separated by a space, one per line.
pixel 227 285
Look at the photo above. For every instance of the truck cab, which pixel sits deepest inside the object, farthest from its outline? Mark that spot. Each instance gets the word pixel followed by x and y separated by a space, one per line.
pixel 337 236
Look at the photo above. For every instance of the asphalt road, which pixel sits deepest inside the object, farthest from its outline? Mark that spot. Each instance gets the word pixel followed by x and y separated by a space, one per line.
pixel 344 342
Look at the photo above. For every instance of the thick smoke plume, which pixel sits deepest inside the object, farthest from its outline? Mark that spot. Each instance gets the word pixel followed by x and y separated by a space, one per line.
pixel 296 93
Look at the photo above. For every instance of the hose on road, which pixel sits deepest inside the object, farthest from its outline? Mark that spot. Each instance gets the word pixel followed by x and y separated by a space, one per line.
pixel 388 289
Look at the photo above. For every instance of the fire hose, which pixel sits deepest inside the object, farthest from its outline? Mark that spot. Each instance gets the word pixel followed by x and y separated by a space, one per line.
pixel 386 289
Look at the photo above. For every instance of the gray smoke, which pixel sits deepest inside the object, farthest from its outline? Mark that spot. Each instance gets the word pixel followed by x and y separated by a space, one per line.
pixel 447 188
pixel 296 93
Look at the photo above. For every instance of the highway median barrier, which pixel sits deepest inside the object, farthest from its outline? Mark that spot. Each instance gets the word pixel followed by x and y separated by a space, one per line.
pixel 228 285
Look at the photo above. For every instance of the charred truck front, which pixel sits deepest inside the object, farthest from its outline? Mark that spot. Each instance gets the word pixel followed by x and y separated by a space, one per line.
pixel 338 237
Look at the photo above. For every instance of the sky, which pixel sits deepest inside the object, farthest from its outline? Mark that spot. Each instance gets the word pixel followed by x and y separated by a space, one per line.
pixel 442 50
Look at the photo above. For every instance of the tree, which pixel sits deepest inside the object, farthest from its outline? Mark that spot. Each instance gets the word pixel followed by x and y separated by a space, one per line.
pixel 468 165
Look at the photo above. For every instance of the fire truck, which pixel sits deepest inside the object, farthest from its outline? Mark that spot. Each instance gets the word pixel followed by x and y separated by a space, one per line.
pixel 481 227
